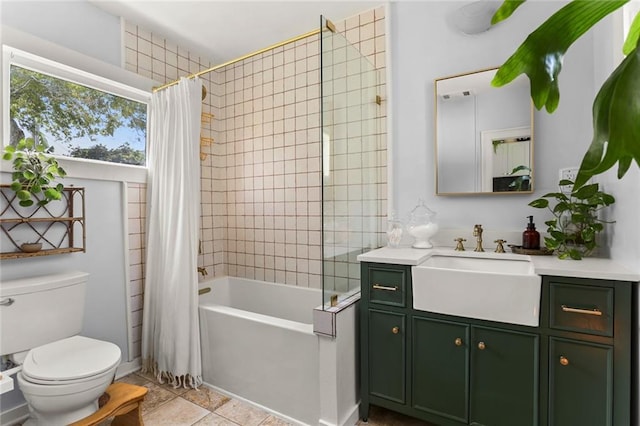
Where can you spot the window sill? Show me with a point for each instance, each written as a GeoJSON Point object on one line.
{"type": "Point", "coordinates": [97, 170]}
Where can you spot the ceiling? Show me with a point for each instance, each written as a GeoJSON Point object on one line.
{"type": "Point", "coordinates": [226, 29]}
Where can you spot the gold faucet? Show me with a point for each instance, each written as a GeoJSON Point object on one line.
{"type": "Point", "coordinates": [500, 247]}
{"type": "Point", "coordinates": [202, 271]}
{"type": "Point", "coordinates": [459, 246]}
{"type": "Point", "coordinates": [477, 232]}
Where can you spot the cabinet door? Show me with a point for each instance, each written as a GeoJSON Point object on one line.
{"type": "Point", "coordinates": [504, 378]}
{"type": "Point", "coordinates": [580, 383]}
{"type": "Point", "coordinates": [440, 367]}
{"type": "Point", "coordinates": [387, 350]}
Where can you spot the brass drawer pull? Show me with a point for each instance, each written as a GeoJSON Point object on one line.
{"type": "Point", "coordinates": [594, 311]}
{"type": "Point", "coordinates": [395, 330]}
{"type": "Point", "coordinates": [564, 361]}
{"type": "Point", "coordinates": [384, 287]}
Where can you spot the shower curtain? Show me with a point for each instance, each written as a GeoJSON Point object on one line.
{"type": "Point", "coordinates": [170, 328]}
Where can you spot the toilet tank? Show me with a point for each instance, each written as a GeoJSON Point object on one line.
{"type": "Point", "coordinates": [39, 310]}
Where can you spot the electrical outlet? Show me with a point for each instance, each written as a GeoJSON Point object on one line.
{"type": "Point", "coordinates": [569, 173]}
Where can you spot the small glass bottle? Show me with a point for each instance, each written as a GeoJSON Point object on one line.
{"type": "Point", "coordinates": [395, 229]}
{"type": "Point", "coordinates": [531, 237]}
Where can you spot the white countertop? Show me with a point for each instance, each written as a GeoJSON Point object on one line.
{"type": "Point", "coordinates": [590, 267]}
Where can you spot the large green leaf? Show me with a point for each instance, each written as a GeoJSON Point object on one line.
{"type": "Point", "coordinates": [540, 55]}
{"type": "Point", "coordinates": [505, 10]}
{"type": "Point", "coordinates": [632, 38]}
{"type": "Point", "coordinates": [616, 122]}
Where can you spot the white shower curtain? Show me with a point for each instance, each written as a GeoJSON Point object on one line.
{"type": "Point", "coordinates": [170, 327]}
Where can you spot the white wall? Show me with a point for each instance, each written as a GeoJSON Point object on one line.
{"type": "Point", "coordinates": [425, 47]}
{"type": "Point", "coordinates": [77, 25]}
{"type": "Point", "coordinates": [624, 235]}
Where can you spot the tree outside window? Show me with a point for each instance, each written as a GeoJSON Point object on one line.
{"type": "Point", "coordinates": [76, 121]}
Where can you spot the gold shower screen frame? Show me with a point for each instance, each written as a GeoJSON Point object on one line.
{"type": "Point", "coordinates": [329, 27]}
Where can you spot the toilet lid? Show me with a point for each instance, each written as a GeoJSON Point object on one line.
{"type": "Point", "coordinates": [70, 359]}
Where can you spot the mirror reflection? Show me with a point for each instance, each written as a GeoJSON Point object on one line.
{"type": "Point", "coordinates": [484, 138]}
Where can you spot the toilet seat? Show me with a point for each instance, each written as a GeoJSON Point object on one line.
{"type": "Point", "coordinates": [72, 360]}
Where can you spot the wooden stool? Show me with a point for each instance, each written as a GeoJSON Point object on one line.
{"type": "Point", "coordinates": [124, 403]}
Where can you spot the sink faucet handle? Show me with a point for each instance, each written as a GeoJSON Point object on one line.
{"type": "Point", "coordinates": [477, 232]}
{"type": "Point", "coordinates": [459, 246]}
{"type": "Point", "coordinates": [500, 247]}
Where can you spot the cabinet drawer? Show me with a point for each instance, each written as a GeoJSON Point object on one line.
{"type": "Point", "coordinates": [387, 286]}
{"type": "Point", "coordinates": [581, 308]}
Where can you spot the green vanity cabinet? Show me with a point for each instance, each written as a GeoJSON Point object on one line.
{"type": "Point", "coordinates": [384, 331]}
{"type": "Point", "coordinates": [580, 385]}
{"type": "Point", "coordinates": [463, 372]}
{"type": "Point", "coordinates": [574, 369]}
{"type": "Point", "coordinates": [504, 377]}
{"type": "Point", "coordinates": [441, 367]}
{"type": "Point", "coordinates": [588, 324]}
{"type": "Point", "coordinates": [387, 355]}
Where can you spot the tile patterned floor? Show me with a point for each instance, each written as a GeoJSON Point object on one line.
{"type": "Point", "coordinates": [165, 405]}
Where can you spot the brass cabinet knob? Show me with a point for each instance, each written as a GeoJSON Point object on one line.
{"type": "Point", "coordinates": [481, 346]}
{"type": "Point", "coordinates": [458, 341]}
{"type": "Point", "coordinates": [564, 361]}
{"type": "Point", "coordinates": [395, 330]}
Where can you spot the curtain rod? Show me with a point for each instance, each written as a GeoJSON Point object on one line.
{"type": "Point", "coordinates": [242, 58]}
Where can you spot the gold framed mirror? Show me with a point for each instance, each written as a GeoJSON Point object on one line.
{"type": "Point", "coordinates": [483, 135]}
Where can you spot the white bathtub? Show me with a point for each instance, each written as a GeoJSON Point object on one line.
{"type": "Point", "coordinates": [258, 344]}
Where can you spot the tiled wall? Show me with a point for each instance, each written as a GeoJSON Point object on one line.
{"type": "Point", "coordinates": [354, 176]}
{"type": "Point", "coordinates": [272, 125]}
{"type": "Point", "coordinates": [274, 185]}
{"type": "Point", "coordinates": [136, 196]}
{"type": "Point", "coordinates": [261, 179]}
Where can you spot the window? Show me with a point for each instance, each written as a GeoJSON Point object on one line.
{"type": "Point", "coordinates": [76, 114]}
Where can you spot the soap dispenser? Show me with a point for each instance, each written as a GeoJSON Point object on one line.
{"type": "Point", "coordinates": [531, 237]}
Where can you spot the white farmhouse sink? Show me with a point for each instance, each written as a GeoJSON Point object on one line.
{"type": "Point", "coordinates": [487, 286]}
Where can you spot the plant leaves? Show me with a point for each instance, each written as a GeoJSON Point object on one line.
{"type": "Point", "coordinates": [540, 203]}
{"type": "Point", "coordinates": [585, 192]}
{"type": "Point", "coordinates": [23, 195]}
{"type": "Point", "coordinates": [52, 193]}
{"type": "Point", "coordinates": [616, 123]}
{"type": "Point", "coordinates": [608, 199]}
{"type": "Point", "coordinates": [575, 254]}
{"type": "Point", "coordinates": [632, 38]}
{"type": "Point", "coordinates": [506, 10]}
{"type": "Point", "coordinates": [540, 55]}
{"type": "Point", "coordinates": [551, 243]}
{"type": "Point", "coordinates": [561, 207]}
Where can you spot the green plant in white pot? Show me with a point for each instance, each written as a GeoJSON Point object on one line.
{"type": "Point", "coordinates": [574, 231]}
{"type": "Point", "coordinates": [34, 173]}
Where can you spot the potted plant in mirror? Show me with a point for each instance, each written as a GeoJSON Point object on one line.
{"type": "Point", "coordinates": [34, 173]}
{"type": "Point", "coordinates": [573, 233]}
{"type": "Point", "coordinates": [521, 182]}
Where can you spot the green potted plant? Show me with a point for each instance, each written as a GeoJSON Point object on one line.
{"type": "Point", "coordinates": [573, 233]}
{"type": "Point", "coordinates": [34, 173]}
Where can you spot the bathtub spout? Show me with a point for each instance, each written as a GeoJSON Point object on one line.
{"type": "Point", "coordinates": [202, 271]}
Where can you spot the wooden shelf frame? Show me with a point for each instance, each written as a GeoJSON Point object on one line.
{"type": "Point", "coordinates": [38, 221]}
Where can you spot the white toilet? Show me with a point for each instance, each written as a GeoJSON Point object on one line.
{"type": "Point", "coordinates": [63, 374]}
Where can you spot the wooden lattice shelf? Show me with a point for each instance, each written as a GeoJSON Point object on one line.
{"type": "Point", "coordinates": [58, 225]}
